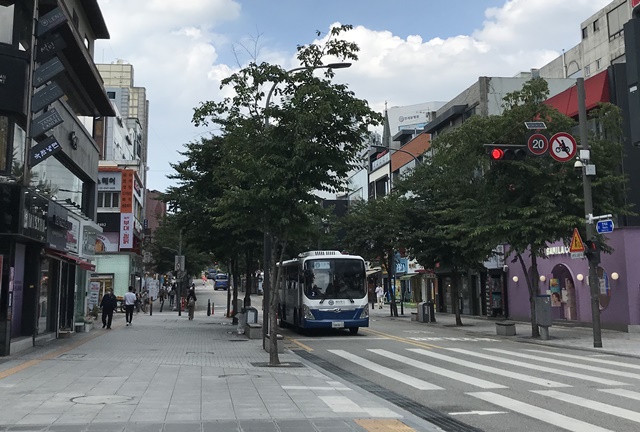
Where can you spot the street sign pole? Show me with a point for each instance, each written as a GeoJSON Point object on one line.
{"type": "Point", "coordinates": [588, 210]}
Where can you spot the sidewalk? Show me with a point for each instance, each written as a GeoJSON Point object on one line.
{"type": "Point", "coordinates": [166, 373]}
{"type": "Point", "coordinates": [561, 335]}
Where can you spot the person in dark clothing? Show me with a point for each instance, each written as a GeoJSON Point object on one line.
{"type": "Point", "coordinates": [108, 304]}
{"type": "Point", "coordinates": [191, 301]}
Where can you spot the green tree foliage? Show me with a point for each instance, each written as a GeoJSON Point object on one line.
{"type": "Point", "coordinates": [374, 230]}
{"type": "Point", "coordinates": [271, 159]}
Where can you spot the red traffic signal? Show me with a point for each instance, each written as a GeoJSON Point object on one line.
{"type": "Point", "coordinates": [506, 152]}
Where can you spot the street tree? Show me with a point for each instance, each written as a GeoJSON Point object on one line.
{"type": "Point", "coordinates": [374, 230]}
{"type": "Point", "coordinates": [277, 156]}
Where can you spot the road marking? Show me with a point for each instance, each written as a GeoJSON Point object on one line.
{"type": "Point", "coordinates": [623, 392]}
{"type": "Point", "coordinates": [300, 344]}
{"type": "Point", "coordinates": [537, 413]}
{"type": "Point", "coordinates": [566, 363]}
{"type": "Point", "coordinates": [315, 388]}
{"type": "Point", "coordinates": [485, 368]}
{"type": "Point", "coordinates": [401, 339]}
{"type": "Point", "coordinates": [343, 339]}
{"type": "Point", "coordinates": [593, 405]}
{"type": "Point", "coordinates": [385, 371]}
{"type": "Point", "coordinates": [468, 379]}
{"type": "Point", "coordinates": [480, 413]}
{"type": "Point", "coordinates": [556, 371]}
{"type": "Point", "coordinates": [588, 358]}
{"type": "Point", "coordinates": [454, 339]}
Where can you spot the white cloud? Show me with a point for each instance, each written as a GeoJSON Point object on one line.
{"type": "Point", "coordinates": [174, 49]}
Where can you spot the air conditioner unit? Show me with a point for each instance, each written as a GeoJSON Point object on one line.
{"type": "Point", "coordinates": [505, 268]}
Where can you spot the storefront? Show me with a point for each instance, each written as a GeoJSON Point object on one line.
{"type": "Point", "coordinates": [566, 280]}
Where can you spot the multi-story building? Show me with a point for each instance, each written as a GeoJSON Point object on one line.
{"type": "Point", "coordinates": [122, 141]}
{"type": "Point", "coordinates": [50, 94]}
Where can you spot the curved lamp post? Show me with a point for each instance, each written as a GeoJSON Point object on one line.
{"type": "Point", "coordinates": [393, 270]}
{"type": "Point", "coordinates": [266, 281]}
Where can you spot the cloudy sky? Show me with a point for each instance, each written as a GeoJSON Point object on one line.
{"type": "Point", "coordinates": [412, 51]}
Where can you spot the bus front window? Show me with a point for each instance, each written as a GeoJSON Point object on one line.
{"type": "Point", "coordinates": [335, 279]}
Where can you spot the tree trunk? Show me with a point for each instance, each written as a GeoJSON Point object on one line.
{"type": "Point", "coordinates": [391, 273]}
{"type": "Point", "coordinates": [249, 278]}
{"type": "Point", "coordinates": [236, 282]}
{"type": "Point", "coordinates": [274, 299]}
{"type": "Point", "coordinates": [455, 297]}
{"type": "Point", "coordinates": [532, 285]}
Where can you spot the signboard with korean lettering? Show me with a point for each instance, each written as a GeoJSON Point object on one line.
{"type": "Point", "coordinates": [109, 181]}
{"type": "Point", "coordinates": [50, 21]}
{"type": "Point", "coordinates": [126, 195]}
{"type": "Point", "coordinates": [48, 147]}
{"type": "Point", "coordinates": [126, 231]}
{"type": "Point", "coordinates": [73, 235]}
{"type": "Point", "coordinates": [137, 190]}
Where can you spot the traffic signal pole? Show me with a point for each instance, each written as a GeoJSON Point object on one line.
{"type": "Point", "coordinates": [588, 210]}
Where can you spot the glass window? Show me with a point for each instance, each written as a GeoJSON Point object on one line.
{"type": "Point", "coordinates": [107, 199]}
{"type": "Point", "coordinates": [115, 199]}
{"type": "Point", "coordinates": [6, 24]}
{"type": "Point", "coordinates": [53, 178]}
{"type": "Point", "coordinates": [100, 202]}
{"type": "Point", "coordinates": [596, 25]}
{"type": "Point", "coordinates": [584, 33]}
{"type": "Point", "coordinates": [19, 138]}
{"type": "Point", "coordinates": [4, 142]}
{"type": "Point", "coordinates": [335, 279]}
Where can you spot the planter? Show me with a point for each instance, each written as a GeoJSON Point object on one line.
{"type": "Point", "coordinates": [88, 327]}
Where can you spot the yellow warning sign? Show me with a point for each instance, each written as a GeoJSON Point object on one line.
{"type": "Point", "coordinates": [576, 242]}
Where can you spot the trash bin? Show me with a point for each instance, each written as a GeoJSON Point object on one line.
{"type": "Point", "coordinates": [251, 314]}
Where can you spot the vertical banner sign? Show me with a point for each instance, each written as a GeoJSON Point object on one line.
{"type": "Point", "coordinates": [126, 230]}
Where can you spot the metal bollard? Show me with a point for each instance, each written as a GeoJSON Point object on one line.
{"type": "Point", "coordinates": [150, 306]}
{"type": "Point", "coordinates": [209, 307]}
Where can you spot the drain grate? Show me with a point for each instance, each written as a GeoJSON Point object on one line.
{"type": "Point", "coordinates": [199, 352]}
{"type": "Point", "coordinates": [282, 365]}
{"type": "Point", "coordinates": [238, 340]}
{"type": "Point", "coordinates": [445, 422]}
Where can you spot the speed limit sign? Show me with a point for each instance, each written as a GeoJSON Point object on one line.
{"type": "Point", "coordinates": [538, 144]}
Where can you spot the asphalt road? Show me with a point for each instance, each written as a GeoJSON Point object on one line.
{"type": "Point", "coordinates": [492, 384]}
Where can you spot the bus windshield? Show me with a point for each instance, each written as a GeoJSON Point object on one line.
{"type": "Point", "coordinates": [334, 279]}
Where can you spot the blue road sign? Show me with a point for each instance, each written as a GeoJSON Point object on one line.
{"type": "Point", "coordinates": [604, 226]}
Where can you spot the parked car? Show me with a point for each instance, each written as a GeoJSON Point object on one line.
{"type": "Point", "coordinates": [221, 281]}
{"type": "Point", "coordinates": [211, 273]}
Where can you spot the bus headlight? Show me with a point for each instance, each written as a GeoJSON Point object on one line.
{"type": "Point", "coordinates": [307, 313]}
{"type": "Point", "coordinates": [365, 312]}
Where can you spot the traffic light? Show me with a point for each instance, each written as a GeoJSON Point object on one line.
{"type": "Point", "coordinates": [592, 251]}
{"type": "Point", "coordinates": [506, 152]}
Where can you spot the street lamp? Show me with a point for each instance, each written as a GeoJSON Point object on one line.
{"type": "Point", "coordinates": [266, 281]}
{"type": "Point", "coordinates": [392, 275]}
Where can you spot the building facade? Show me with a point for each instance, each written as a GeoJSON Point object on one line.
{"type": "Point", "coordinates": [50, 94]}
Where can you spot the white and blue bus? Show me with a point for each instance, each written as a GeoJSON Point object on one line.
{"type": "Point", "coordinates": [324, 289]}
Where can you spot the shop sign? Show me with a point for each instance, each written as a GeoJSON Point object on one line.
{"type": "Point", "coordinates": [44, 149]}
{"type": "Point", "coordinates": [109, 181]}
{"type": "Point", "coordinates": [137, 189]}
{"type": "Point", "coordinates": [106, 242]}
{"type": "Point", "coordinates": [88, 241]}
{"type": "Point", "coordinates": [94, 294]}
{"type": "Point", "coordinates": [402, 266]}
{"type": "Point", "coordinates": [73, 235]}
{"type": "Point", "coordinates": [126, 230]}
{"type": "Point", "coordinates": [57, 226]}
{"type": "Point", "coordinates": [557, 250]}
{"type": "Point", "coordinates": [34, 224]}
{"type": "Point", "coordinates": [109, 222]}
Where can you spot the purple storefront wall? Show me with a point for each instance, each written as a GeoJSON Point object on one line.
{"type": "Point", "coordinates": [623, 311]}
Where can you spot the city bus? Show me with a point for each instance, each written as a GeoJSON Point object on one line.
{"type": "Point", "coordinates": [324, 289]}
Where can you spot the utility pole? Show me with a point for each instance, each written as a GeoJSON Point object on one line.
{"type": "Point", "coordinates": [180, 275]}
{"type": "Point", "coordinates": [588, 210]}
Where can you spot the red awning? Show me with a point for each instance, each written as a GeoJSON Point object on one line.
{"type": "Point", "coordinates": [596, 90]}
{"type": "Point", "coordinates": [86, 265]}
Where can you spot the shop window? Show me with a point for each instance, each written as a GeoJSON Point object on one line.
{"type": "Point", "coordinates": [109, 200]}
{"type": "Point", "coordinates": [6, 24]}
{"type": "Point", "coordinates": [4, 143]}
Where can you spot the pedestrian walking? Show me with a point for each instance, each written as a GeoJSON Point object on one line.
{"type": "Point", "coordinates": [161, 296]}
{"type": "Point", "coordinates": [380, 295]}
{"type": "Point", "coordinates": [191, 300]}
{"type": "Point", "coordinates": [172, 295]}
{"type": "Point", "coordinates": [129, 304]}
{"type": "Point", "coordinates": [108, 304]}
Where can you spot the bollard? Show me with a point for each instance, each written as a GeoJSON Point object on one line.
{"type": "Point", "coordinates": [150, 306]}
{"type": "Point", "coordinates": [213, 308]}
{"type": "Point", "coordinates": [209, 307]}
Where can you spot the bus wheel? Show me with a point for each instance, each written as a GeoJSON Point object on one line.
{"type": "Point", "coordinates": [354, 330]}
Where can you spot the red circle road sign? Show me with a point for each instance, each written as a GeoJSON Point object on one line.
{"type": "Point", "coordinates": [563, 147]}
{"type": "Point", "coordinates": [538, 144]}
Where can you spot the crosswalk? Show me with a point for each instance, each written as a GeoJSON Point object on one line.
{"type": "Point", "coordinates": [571, 392]}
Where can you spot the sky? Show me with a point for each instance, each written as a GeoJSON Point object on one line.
{"type": "Point", "coordinates": [411, 51]}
